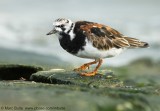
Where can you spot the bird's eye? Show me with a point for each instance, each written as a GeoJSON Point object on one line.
{"type": "Point", "coordinates": [60, 26]}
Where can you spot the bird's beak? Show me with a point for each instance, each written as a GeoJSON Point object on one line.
{"type": "Point", "coordinates": [51, 32]}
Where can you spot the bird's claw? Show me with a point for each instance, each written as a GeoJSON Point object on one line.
{"type": "Point", "coordinates": [83, 67]}
{"type": "Point", "coordinates": [89, 73]}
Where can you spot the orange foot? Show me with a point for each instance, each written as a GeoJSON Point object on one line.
{"type": "Point", "coordinates": [89, 73]}
{"type": "Point", "coordinates": [85, 66]}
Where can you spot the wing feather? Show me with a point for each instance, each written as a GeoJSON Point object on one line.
{"type": "Point", "coordinates": [104, 37]}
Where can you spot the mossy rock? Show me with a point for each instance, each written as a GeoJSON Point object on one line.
{"type": "Point", "coordinates": [73, 78]}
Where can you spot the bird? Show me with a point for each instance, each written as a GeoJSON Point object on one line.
{"type": "Point", "coordinates": [92, 40]}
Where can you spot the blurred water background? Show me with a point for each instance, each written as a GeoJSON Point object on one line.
{"type": "Point", "coordinates": [24, 24]}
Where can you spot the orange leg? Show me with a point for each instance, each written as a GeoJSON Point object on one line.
{"type": "Point", "coordinates": [85, 66]}
{"type": "Point", "coordinates": [94, 71]}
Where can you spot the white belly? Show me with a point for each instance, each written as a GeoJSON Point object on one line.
{"type": "Point", "coordinates": [93, 53]}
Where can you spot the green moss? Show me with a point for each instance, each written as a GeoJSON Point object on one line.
{"type": "Point", "coordinates": [134, 87]}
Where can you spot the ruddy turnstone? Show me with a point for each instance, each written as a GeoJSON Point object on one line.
{"type": "Point", "coordinates": [92, 40]}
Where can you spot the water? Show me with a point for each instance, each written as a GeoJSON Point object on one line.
{"type": "Point", "coordinates": [24, 24]}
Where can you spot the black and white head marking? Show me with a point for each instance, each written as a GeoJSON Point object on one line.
{"type": "Point", "coordinates": [63, 25]}
{"type": "Point", "coordinates": [71, 28]}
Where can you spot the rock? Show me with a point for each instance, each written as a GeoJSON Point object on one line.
{"type": "Point", "coordinates": [69, 91]}
{"type": "Point", "coordinates": [74, 98]}
{"type": "Point", "coordinates": [40, 95]}
{"type": "Point", "coordinates": [73, 78]}
{"type": "Point", "coordinates": [16, 72]}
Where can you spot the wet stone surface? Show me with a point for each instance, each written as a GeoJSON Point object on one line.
{"type": "Point", "coordinates": [73, 78]}
{"type": "Point", "coordinates": [125, 89]}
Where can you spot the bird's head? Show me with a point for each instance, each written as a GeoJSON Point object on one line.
{"type": "Point", "coordinates": [61, 25]}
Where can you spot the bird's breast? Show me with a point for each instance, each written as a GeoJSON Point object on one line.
{"type": "Point", "coordinates": [70, 44]}
{"type": "Point", "coordinates": [94, 53]}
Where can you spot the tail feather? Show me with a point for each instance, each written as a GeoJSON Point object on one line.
{"type": "Point", "coordinates": [136, 43]}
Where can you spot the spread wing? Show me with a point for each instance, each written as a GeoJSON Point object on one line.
{"type": "Point", "coordinates": [102, 37]}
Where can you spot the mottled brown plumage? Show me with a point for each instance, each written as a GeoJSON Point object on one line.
{"type": "Point", "coordinates": [104, 37]}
